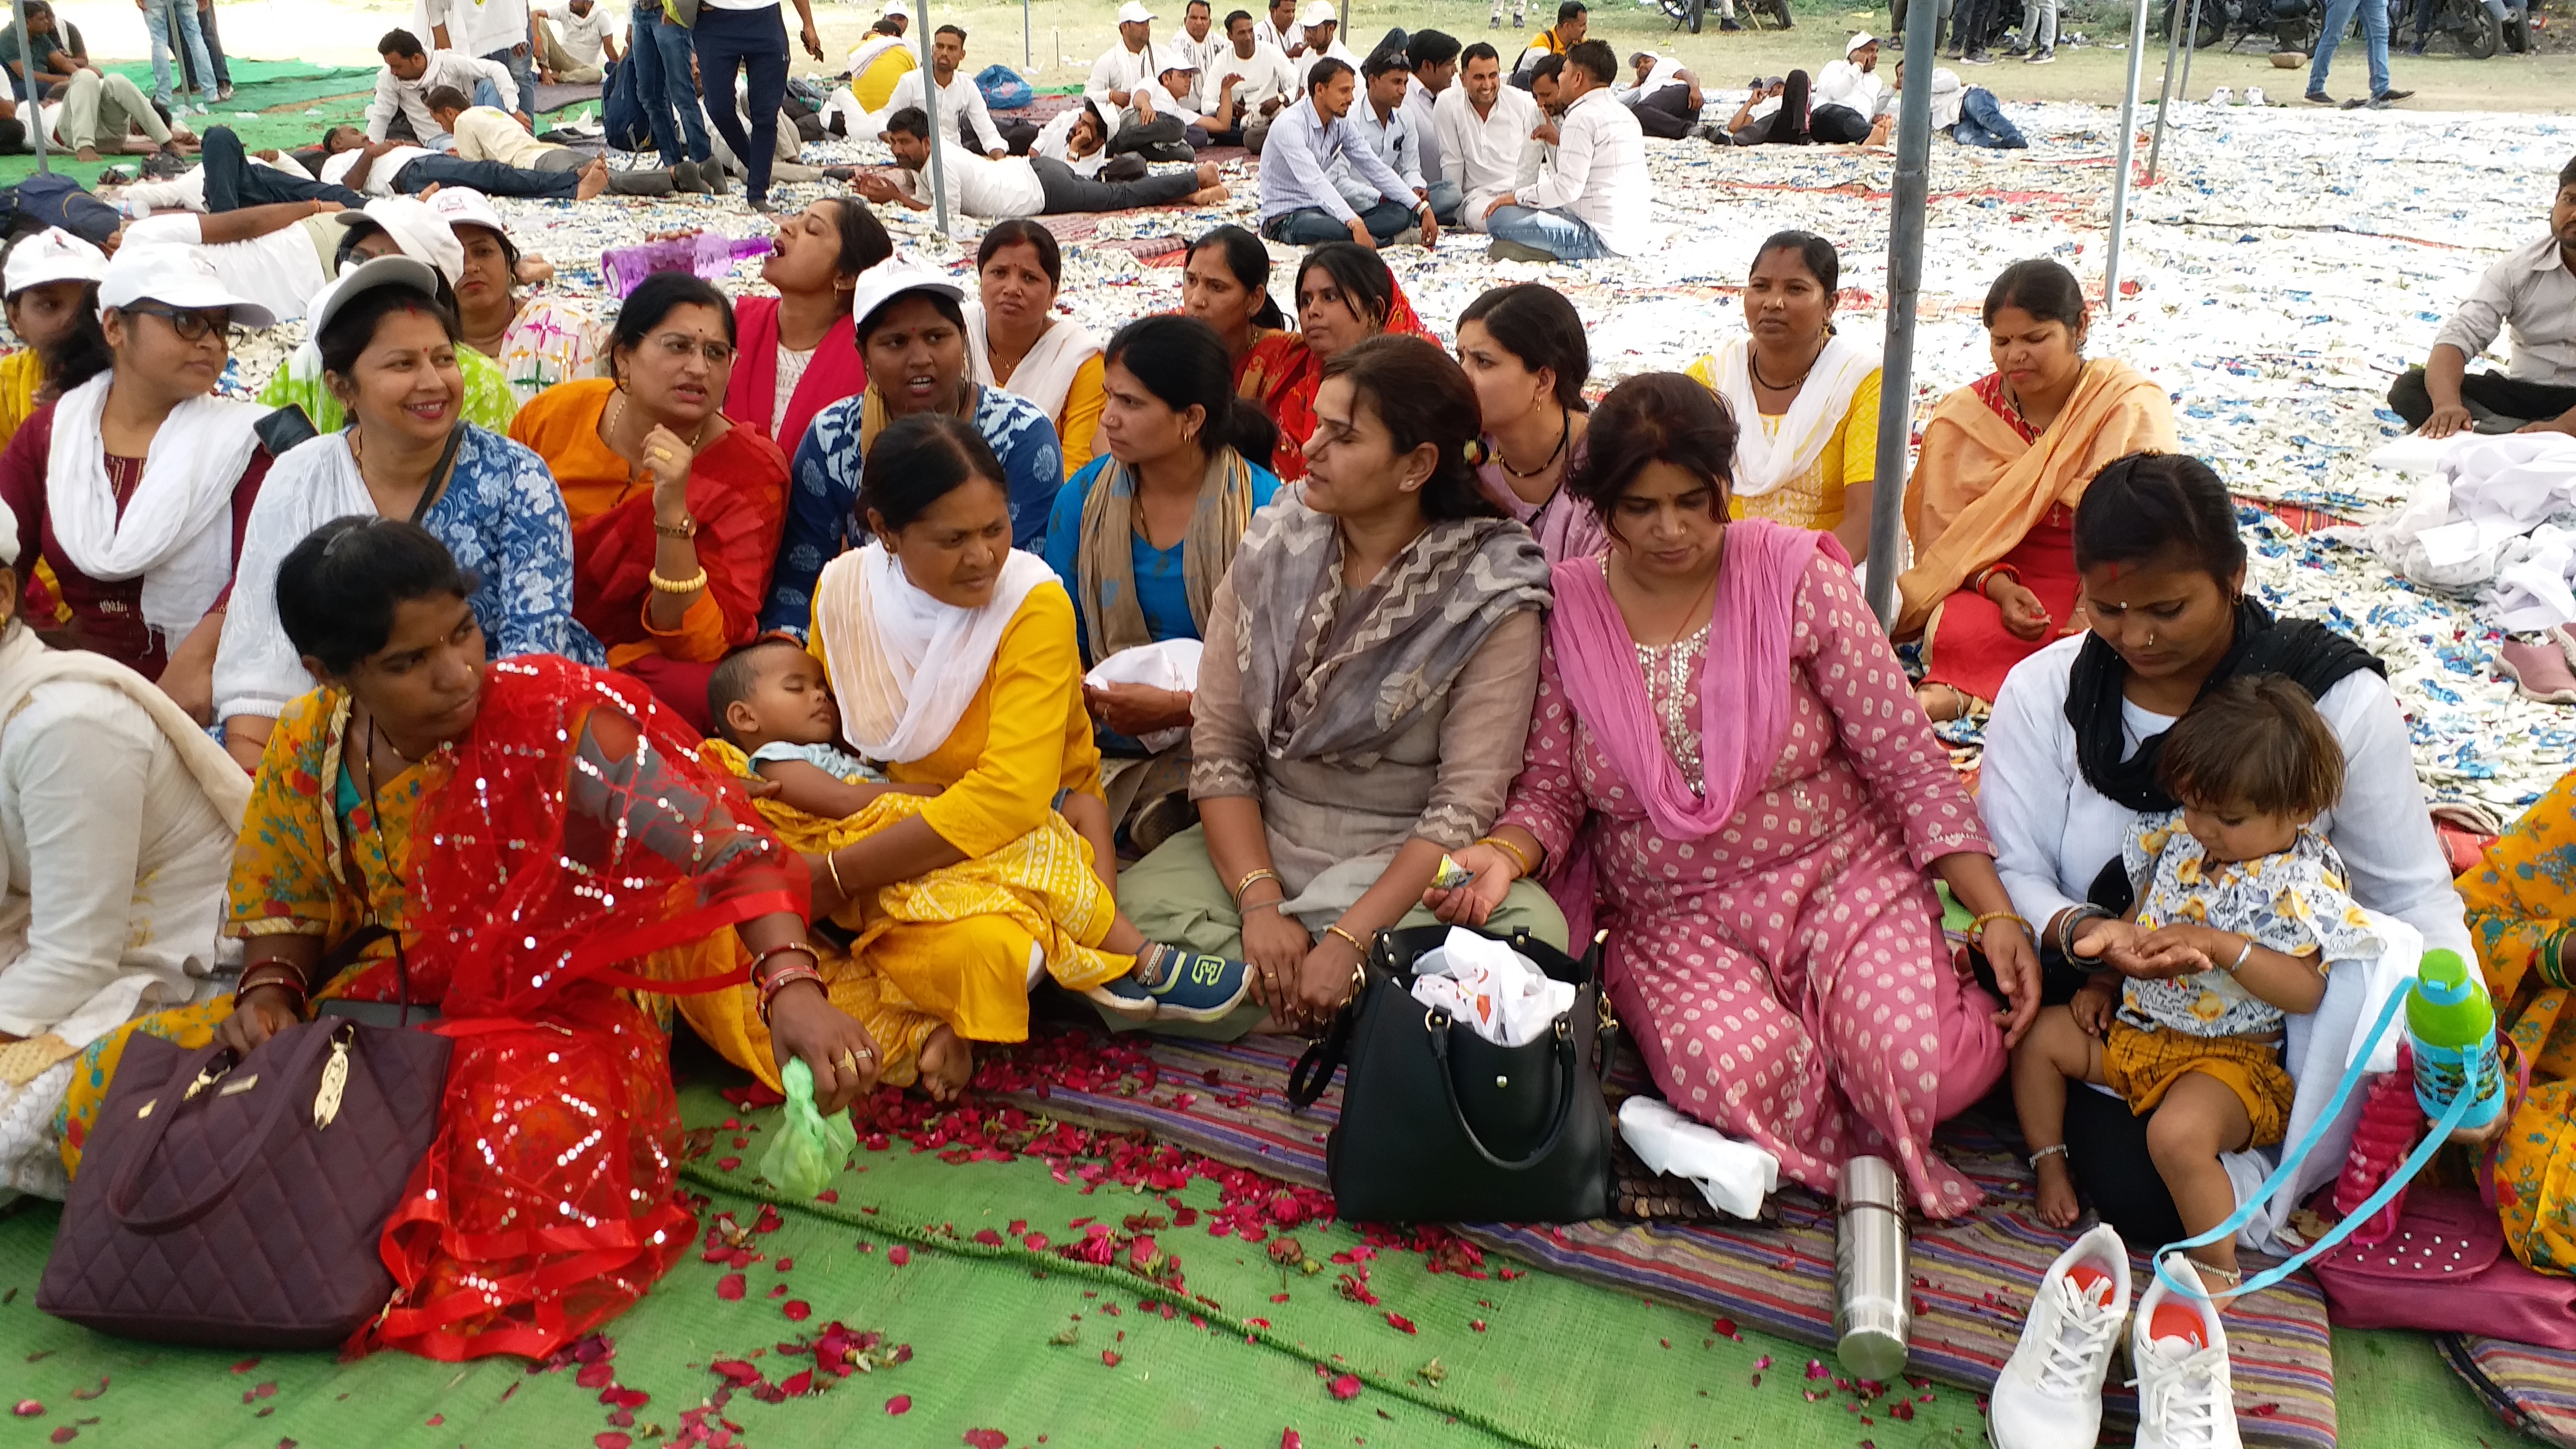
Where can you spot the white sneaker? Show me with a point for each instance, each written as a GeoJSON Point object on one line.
{"type": "Point", "coordinates": [2186, 1396]}
{"type": "Point", "coordinates": [2223, 96]}
{"type": "Point", "coordinates": [2050, 1394]}
{"type": "Point", "coordinates": [2254, 96]}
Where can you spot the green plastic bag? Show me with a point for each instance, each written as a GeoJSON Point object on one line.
{"type": "Point", "coordinates": [808, 1149]}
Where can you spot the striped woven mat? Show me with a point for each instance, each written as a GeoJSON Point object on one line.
{"type": "Point", "coordinates": [2531, 1388]}
{"type": "Point", "coordinates": [1973, 1280]}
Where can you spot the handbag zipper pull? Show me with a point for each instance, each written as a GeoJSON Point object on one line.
{"type": "Point", "coordinates": [335, 1080]}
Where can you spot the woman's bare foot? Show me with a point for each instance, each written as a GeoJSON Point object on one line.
{"type": "Point", "coordinates": [594, 181]}
{"type": "Point", "coordinates": [2058, 1205]}
{"type": "Point", "coordinates": [947, 1064]}
{"type": "Point", "coordinates": [1943, 702]}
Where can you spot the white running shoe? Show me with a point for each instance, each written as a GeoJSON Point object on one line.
{"type": "Point", "coordinates": [2223, 96]}
{"type": "Point", "coordinates": [2254, 96]}
{"type": "Point", "coordinates": [2050, 1394]}
{"type": "Point", "coordinates": [2186, 1396]}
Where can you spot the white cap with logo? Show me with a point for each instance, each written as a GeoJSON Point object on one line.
{"type": "Point", "coordinates": [180, 277]}
{"type": "Point", "coordinates": [52, 255]}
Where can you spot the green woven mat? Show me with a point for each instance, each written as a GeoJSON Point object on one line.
{"type": "Point", "coordinates": [1556, 1362]}
{"type": "Point", "coordinates": [268, 110]}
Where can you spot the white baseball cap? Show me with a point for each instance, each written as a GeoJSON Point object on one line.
{"type": "Point", "coordinates": [890, 279]}
{"type": "Point", "coordinates": [175, 276]}
{"type": "Point", "coordinates": [1321, 12]}
{"type": "Point", "coordinates": [465, 206]}
{"type": "Point", "coordinates": [1133, 13]}
{"type": "Point", "coordinates": [897, 10]}
{"type": "Point", "coordinates": [1857, 41]}
{"type": "Point", "coordinates": [366, 277]}
{"type": "Point", "coordinates": [52, 255]}
{"type": "Point", "coordinates": [418, 232]}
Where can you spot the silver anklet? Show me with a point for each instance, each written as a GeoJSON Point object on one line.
{"type": "Point", "coordinates": [2058, 1151]}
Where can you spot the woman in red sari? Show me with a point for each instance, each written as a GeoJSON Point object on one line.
{"type": "Point", "coordinates": [676, 510]}
{"type": "Point", "coordinates": [798, 356]}
{"type": "Point", "coordinates": [1345, 296]}
{"type": "Point", "coordinates": [576, 777]}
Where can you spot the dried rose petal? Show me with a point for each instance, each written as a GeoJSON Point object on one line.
{"type": "Point", "coordinates": [595, 1375]}
{"type": "Point", "coordinates": [797, 1310]}
{"type": "Point", "coordinates": [434, 1420]}
{"type": "Point", "coordinates": [1402, 1324]}
{"type": "Point", "coordinates": [730, 1287]}
{"type": "Point", "coordinates": [727, 1164]}
{"type": "Point", "coordinates": [1288, 1439]}
{"type": "Point", "coordinates": [611, 1439]}
{"type": "Point", "coordinates": [65, 1434]}
{"type": "Point", "coordinates": [1816, 1369]}
{"type": "Point", "coordinates": [900, 1255]}
{"type": "Point", "coordinates": [987, 1439]}
{"type": "Point", "coordinates": [899, 1404]}
{"type": "Point", "coordinates": [29, 1409]}
{"type": "Point", "coordinates": [1477, 1324]}
{"type": "Point", "coordinates": [1110, 1356]}
{"type": "Point", "coordinates": [1345, 1388]}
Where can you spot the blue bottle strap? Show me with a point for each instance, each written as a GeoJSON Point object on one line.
{"type": "Point", "coordinates": [2290, 1163]}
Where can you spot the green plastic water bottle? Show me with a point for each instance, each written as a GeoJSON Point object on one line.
{"type": "Point", "coordinates": [2452, 1022]}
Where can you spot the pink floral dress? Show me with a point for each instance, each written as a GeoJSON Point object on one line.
{"type": "Point", "coordinates": [1785, 979]}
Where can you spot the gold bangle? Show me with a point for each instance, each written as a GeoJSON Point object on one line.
{"type": "Point", "coordinates": [676, 586]}
{"type": "Point", "coordinates": [1356, 943]}
{"type": "Point", "coordinates": [1245, 884]}
{"type": "Point", "coordinates": [1507, 848]}
{"type": "Point", "coordinates": [686, 528]}
{"type": "Point", "coordinates": [832, 867]}
{"type": "Point", "coordinates": [1977, 928]}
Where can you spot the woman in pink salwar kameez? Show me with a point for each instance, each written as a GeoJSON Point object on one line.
{"type": "Point", "coordinates": [1727, 770]}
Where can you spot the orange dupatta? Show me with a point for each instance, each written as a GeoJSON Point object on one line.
{"type": "Point", "coordinates": [1977, 487]}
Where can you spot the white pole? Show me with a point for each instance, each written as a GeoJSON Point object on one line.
{"type": "Point", "coordinates": [930, 111]}
{"type": "Point", "coordinates": [2128, 153]}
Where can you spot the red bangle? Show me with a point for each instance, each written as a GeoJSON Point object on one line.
{"type": "Point", "coordinates": [1987, 574]}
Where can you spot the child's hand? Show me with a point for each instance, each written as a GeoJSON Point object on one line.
{"type": "Point", "coordinates": [2172, 951]}
{"type": "Point", "coordinates": [2092, 1007]}
{"type": "Point", "coordinates": [2096, 940]}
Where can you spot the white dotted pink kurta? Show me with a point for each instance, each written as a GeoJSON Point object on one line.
{"type": "Point", "coordinates": [1785, 978]}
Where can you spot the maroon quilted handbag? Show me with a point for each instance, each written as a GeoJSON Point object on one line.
{"type": "Point", "coordinates": [238, 1203]}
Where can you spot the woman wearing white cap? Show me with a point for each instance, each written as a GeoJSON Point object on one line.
{"type": "Point", "coordinates": [51, 279]}
{"type": "Point", "coordinates": [134, 484]}
{"type": "Point", "coordinates": [389, 350]}
{"type": "Point", "coordinates": [538, 341]}
{"type": "Point", "coordinates": [117, 818]}
{"type": "Point", "coordinates": [912, 335]}
{"type": "Point", "coordinates": [394, 226]}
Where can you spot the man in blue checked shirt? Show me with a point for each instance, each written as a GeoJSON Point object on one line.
{"type": "Point", "coordinates": [1300, 204]}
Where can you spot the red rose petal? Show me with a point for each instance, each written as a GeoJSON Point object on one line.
{"type": "Point", "coordinates": [900, 1255]}
{"type": "Point", "coordinates": [1288, 1439]}
{"type": "Point", "coordinates": [797, 1310]}
{"type": "Point", "coordinates": [989, 1238]}
{"type": "Point", "coordinates": [831, 1195]}
{"type": "Point", "coordinates": [29, 1409]}
{"type": "Point", "coordinates": [611, 1439]}
{"type": "Point", "coordinates": [727, 1164]}
{"type": "Point", "coordinates": [245, 1366]}
{"type": "Point", "coordinates": [785, 1264]}
{"type": "Point", "coordinates": [434, 1420]}
{"type": "Point", "coordinates": [595, 1375]}
{"type": "Point", "coordinates": [1477, 1324]}
{"type": "Point", "coordinates": [65, 1434]}
{"type": "Point", "coordinates": [899, 1404]}
{"type": "Point", "coordinates": [987, 1439]}
{"type": "Point", "coordinates": [730, 1287]}
{"type": "Point", "coordinates": [1345, 1388]}
{"type": "Point", "coordinates": [1399, 1322]}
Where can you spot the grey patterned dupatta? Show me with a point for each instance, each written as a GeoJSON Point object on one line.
{"type": "Point", "coordinates": [1337, 676]}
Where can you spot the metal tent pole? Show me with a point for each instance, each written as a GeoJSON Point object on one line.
{"type": "Point", "coordinates": [930, 111]}
{"type": "Point", "coordinates": [35, 96]}
{"type": "Point", "coordinates": [1904, 286]}
{"type": "Point", "coordinates": [2165, 101]}
{"type": "Point", "coordinates": [2128, 154]}
{"type": "Point", "coordinates": [1025, 60]}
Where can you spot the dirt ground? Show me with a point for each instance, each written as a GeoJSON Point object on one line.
{"type": "Point", "coordinates": [1064, 35]}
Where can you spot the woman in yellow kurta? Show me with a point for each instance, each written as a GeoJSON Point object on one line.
{"type": "Point", "coordinates": [954, 660]}
{"type": "Point", "coordinates": [2521, 901]}
{"type": "Point", "coordinates": [1805, 398]}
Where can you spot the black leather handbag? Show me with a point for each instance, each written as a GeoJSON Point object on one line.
{"type": "Point", "coordinates": [1440, 1125]}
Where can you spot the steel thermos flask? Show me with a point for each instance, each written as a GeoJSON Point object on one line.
{"type": "Point", "coordinates": [1871, 1320]}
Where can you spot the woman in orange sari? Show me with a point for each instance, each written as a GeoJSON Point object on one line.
{"type": "Point", "coordinates": [1991, 505]}
{"type": "Point", "coordinates": [1345, 296]}
{"type": "Point", "coordinates": [676, 511]}
{"type": "Point", "coordinates": [538, 778]}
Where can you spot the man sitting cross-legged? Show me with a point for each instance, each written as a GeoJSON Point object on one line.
{"type": "Point", "coordinates": [2532, 294]}
{"type": "Point", "coordinates": [1016, 185]}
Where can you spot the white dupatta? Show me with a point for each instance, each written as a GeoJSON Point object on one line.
{"type": "Point", "coordinates": [176, 532]}
{"type": "Point", "coordinates": [1764, 462]}
{"type": "Point", "coordinates": [904, 665]}
{"type": "Point", "coordinates": [1046, 375]}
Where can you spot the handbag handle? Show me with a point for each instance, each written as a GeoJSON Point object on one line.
{"type": "Point", "coordinates": [121, 1193]}
{"type": "Point", "coordinates": [1439, 1034]}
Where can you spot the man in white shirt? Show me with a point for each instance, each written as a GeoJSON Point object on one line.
{"type": "Point", "coordinates": [496, 30]}
{"type": "Point", "coordinates": [1127, 67]}
{"type": "Point", "coordinates": [1969, 114]}
{"type": "Point", "coordinates": [398, 168]}
{"type": "Point", "coordinates": [1597, 201]}
{"type": "Point", "coordinates": [1016, 185]}
{"type": "Point", "coordinates": [1484, 128]}
{"type": "Point", "coordinates": [1279, 30]}
{"type": "Point", "coordinates": [1201, 44]}
{"type": "Point", "coordinates": [276, 255]}
{"type": "Point", "coordinates": [578, 44]}
{"type": "Point", "coordinates": [1159, 123]}
{"type": "Point", "coordinates": [961, 101]}
{"type": "Point", "coordinates": [1300, 205]}
{"type": "Point", "coordinates": [409, 74]}
{"type": "Point", "coordinates": [1666, 97]}
{"type": "Point", "coordinates": [1432, 57]}
{"type": "Point", "coordinates": [487, 133]}
{"type": "Point", "coordinates": [1846, 94]}
{"type": "Point", "coordinates": [1247, 84]}
{"type": "Point", "coordinates": [1321, 27]}
{"type": "Point", "coordinates": [2531, 293]}
{"type": "Point", "coordinates": [1378, 119]}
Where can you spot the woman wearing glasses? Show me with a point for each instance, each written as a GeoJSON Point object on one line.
{"type": "Point", "coordinates": [134, 485]}
{"type": "Point", "coordinates": [675, 511]}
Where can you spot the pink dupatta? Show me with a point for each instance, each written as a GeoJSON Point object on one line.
{"type": "Point", "coordinates": [1743, 697]}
